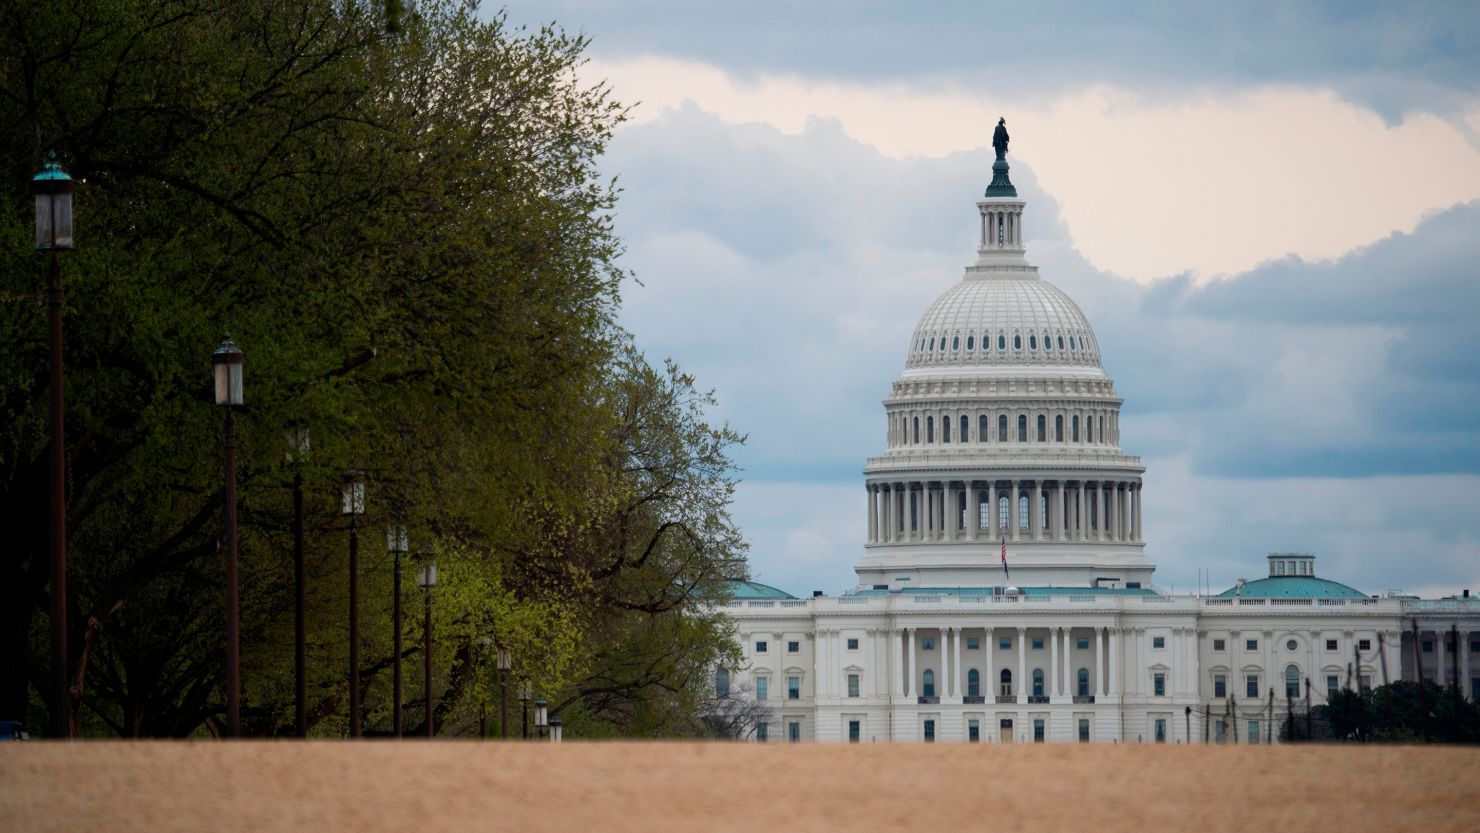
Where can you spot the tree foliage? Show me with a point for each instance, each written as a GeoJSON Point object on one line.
{"type": "Point", "coordinates": [405, 229]}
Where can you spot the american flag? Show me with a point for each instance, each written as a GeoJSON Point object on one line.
{"type": "Point", "coordinates": [1004, 557]}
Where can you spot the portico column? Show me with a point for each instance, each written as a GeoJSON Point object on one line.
{"type": "Point", "coordinates": [1053, 661]}
{"type": "Point", "coordinates": [1036, 511]}
{"type": "Point", "coordinates": [1022, 672]}
{"type": "Point", "coordinates": [1125, 511]}
{"type": "Point", "coordinates": [1112, 635]}
{"type": "Point", "coordinates": [1079, 515]}
{"type": "Point", "coordinates": [991, 669]}
{"type": "Point", "coordinates": [1069, 678]}
{"type": "Point", "coordinates": [1441, 637]}
{"type": "Point", "coordinates": [953, 516]}
{"type": "Point", "coordinates": [993, 522]}
{"type": "Point", "coordinates": [1012, 511]}
{"type": "Point", "coordinates": [913, 669]}
{"type": "Point", "coordinates": [873, 514]}
{"type": "Point", "coordinates": [973, 510]}
{"type": "Point", "coordinates": [956, 689]}
{"type": "Point", "coordinates": [896, 686]}
{"type": "Point", "coordinates": [1099, 687]}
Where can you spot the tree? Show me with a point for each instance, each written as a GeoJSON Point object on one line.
{"type": "Point", "coordinates": [407, 233]}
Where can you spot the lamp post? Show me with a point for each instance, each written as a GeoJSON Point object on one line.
{"type": "Point", "coordinates": [52, 189]}
{"type": "Point", "coordinates": [541, 716]}
{"type": "Point", "coordinates": [504, 662]}
{"type": "Point", "coordinates": [427, 579]}
{"type": "Point", "coordinates": [228, 360]}
{"type": "Point", "coordinates": [397, 542]}
{"type": "Point", "coordinates": [524, 697]}
{"type": "Point", "coordinates": [352, 504]}
{"type": "Point", "coordinates": [298, 442]}
{"type": "Point", "coordinates": [555, 730]}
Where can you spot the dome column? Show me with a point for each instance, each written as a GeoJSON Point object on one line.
{"type": "Point", "coordinates": [973, 510]}
{"type": "Point", "coordinates": [873, 513]}
{"type": "Point", "coordinates": [1035, 512]}
{"type": "Point", "coordinates": [1013, 511]}
{"type": "Point", "coordinates": [1140, 535]}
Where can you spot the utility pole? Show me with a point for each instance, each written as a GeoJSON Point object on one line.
{"type": "Point", "coordinates": [1207, 721]}
{"type": "Point", "coordinates": [1187, 717]}
{"type": "Point", "coordinates": [1269, 730]}
{"type": "Point", "coordinates": [1233, 714]}
{"type": "Point", "coordinates": [1454, 657]}
{"type": "Point", "coordinates": [1423, 709]}
{"type": "Point", "coordinates": [1309, 735]}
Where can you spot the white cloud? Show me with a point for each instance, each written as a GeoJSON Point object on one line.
{"type": "Point", "coordinates": [1213, 182]}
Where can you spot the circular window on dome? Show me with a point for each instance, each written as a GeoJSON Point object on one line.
{"type": "Point", "coordinates": [1001, 342]}
{"type": "Point", "coordinates": [955, 342]}
{"type": "Point", "coordinates": [1291, 645]}
{"type": "Point", "coordinates": [970, 342]}
{"type": "Point", "coordinates": [1061, 342]}
{"type": "Point", "coordinates": [1032, 342]}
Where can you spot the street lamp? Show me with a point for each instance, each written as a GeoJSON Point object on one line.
{"type": "Point", "coordinates": [541, 719]}
{"type": "Point", "coordinates": [426, 578]}
{"type": "Point", "coordinates": [52, 189]}
{"type": "Point", "coordinates": [228, 360]}
{"type": "Point", "coordinates": [555, 730]}
{"type": "Point", "coordinates": [525, 696]}
{"type": "Point", "coordinates": [352, 505]}
{"type": "Point", "coordinates": [298, 445]}
{"type": "Point", "coordinates": [504, 663]}
{"type": "Point", "coordinates": [397, 543]}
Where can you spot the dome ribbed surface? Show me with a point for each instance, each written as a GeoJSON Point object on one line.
{"type": "Point", "coordinates": [1001, 320]}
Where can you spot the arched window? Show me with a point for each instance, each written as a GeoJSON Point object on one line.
{"type": "Point", "coordinates": [945, 429]}
{"type": "Point", "coordinates": [1102, 429]}
{"type": "Point", "coordinates": [942, 344]}
{"type": "Point", "coordinates": [930, 429]}
{"type": "Point", "coordinates": [1071, 343]}
{"type": "Point", "coordinates": [1037, 682]}
{"type": "Point", "coordinates": [1032, 342]}
{"type": "Point", "coordinates": [1076, 428]}
{"type": "Point", "coordinates": [722, 683]}
{"type": "Point", "coordinates": [1002, 507]}
{"type": "Point", "coordinates": [1023, 511]}
{"type": "Point", "coordinates": [970, 343]}
{"type": "Point", "coordinates": [983, 431]}
{"type": "Point", "coordinates": [1058, 428]}
{"type": "Point", "coordinates": [922, 342]}
{"type": "Point", "coordinates": [1001, 342]}
{"type": "Point", "coordinates": [917, 430]}
{"type": "Point", "coordinates": [1022, 428]}
{"type": "Point", "coordinates": [1002, 428]}
{"type": "Point", "coordinates": [973, 683]}
{"type": "Point", "coordinates": [965, 429]}
{"type": "Point", "coordinates": [1042, 428]}
{"type": "Point", "coordinates": [1083, 682]}
{"type": "Point", "coordinates": [928, 688]}
{"type": "Point", "coordinates": [1061, 342]}
{"type": "Point", "coordinates": [1017, 342]}
{"type": "Point", "coordinates": [955, 342]}
{"type": "Point", "coordinates": [1043, 511]}
{"type": "Point", "coordinates": [1292, 682]}
{"type": "Point", "coordinates": [1089, 428]}
{"type": "Point", "coordinates": [1006, 679]}
{"type": "Point", "coordinates": [932, 342]}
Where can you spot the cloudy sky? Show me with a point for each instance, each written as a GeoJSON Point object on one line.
{"type": "Point", "coordinates": [1269, 212]}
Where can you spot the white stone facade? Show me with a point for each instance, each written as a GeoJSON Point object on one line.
{"type": "Point", "coordinates": [1003, 430]}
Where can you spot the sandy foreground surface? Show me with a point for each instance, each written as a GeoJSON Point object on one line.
{"type": "Point", "coordinates": [468, 786]}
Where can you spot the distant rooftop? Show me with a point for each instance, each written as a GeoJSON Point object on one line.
{"type": "Point", "coordinates": [990, 591]}
{"type": "Point", "coordinates": [755, 590]}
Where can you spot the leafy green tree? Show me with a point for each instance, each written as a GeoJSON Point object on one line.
{"type": "Point", "coordinates": [405, 229]}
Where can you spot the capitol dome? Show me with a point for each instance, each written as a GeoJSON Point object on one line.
{"type": "Point", "coordinates": [1003, 318]}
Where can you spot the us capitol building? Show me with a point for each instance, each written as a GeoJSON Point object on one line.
{"type": "Point", "coordinates": [1004, 593]}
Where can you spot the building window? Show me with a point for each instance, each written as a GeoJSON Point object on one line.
{"type": "Point", "coordinates": [1158, 641]}
{"type": "Point", "coordinates": [1428, 646]}
{"type": "Point", "coordinates": [1332, 684]}
{"type": "Point", "coordinates": [1364, 682]}
{"type": "Point", "coordinates": [1017, 342]}
{"type": "Point", "coordinates": [1292, 682]}
{"type": "Point", "coordinates": [973, 643]}
{"type": "Point", "coordinates": [1220, 685]}
{"type": "Point", "coordinates": [930, 731]}
{"type": "Point", "coordinates": [1002, 510]}
{"type": "Point", "coordinates": [1279, 568]}
{"type": "Point", "coordinates": [1364, 644]}
{"type": "Point", "coordinates": [917, 430]}
{"type": "Point", "coordinates": [1001, 342]}
{"type": "Point", "coordinates": [760, 647]}
{"type": "Point", "coordinates": [955, 342]}
{"type": "Point", "coordinates": [794, 731]}
{"type": "Point", "coordinates": [930, 429]}
{"type": "Point", "coordinates": [1074, 427]}
{"type": "Point", "coordinates": [760, 687]}
{"type": "Point", "coordinates": [973, 731]}
{"type": "Point", "coordinates": [1005, 643]}
{"type": "Point", "coordinates": [1082, 643]}
{"type": "Point", "coordinates": [982, 432]}
{"type": "Point", "coordinates": [1042, 428]}
{"type": "Point", "coordinates": [1218, 645]}
{"type": "Point", "coordinates": [1159, 684]}
{"type": "Point", "coordinates": [1089, 429]}
{"type": "Point", "coordinates": [1084, 730]}
{"type": "Point", "coordinates": [1022, 428]}
{"type": "Point", "coordinates": [852, 644]}
{"type": "Point", "coordinates": [760, 732]}
{"type": "Point", "coordinates": [1331, 645]}
{"type": "Point", "coordinates": [793, 688]}
{"type": "Point", "coordinates": [945, 429]}
{"type": "Point", "coordinates": [1032, 342]}
{"type": "Point", "coordinates": [1251, 686]}
{"type": "Point", "coordinates": [973, 683]}
{"type": "Point", "coordinates": [1038, 730]}
{"type": "Point", "coordinates": [1006, 678]}
{"type": "Point", "coordinates": [852, 685]}
{"type": "Point", "coordinates": [1253, 645]}
{"type": "Point", "coordinates": [854, 731]}
{"type": "Point", "coordinates": [1083, 682]}
{"type": "Point", "coordinates": [965, 426]}
{"type": "Point", "coordinates": [970, 343]}
{"type": "Point", "coordinates": [1037, 682]}
{"type": "Point", "coordinates": [927, 644]}
{"type": "Point", "coordinates": [722, 683]}
{"type": "Point", "coordinates": [793, 647]}
{"type": "Point", "coordinates": [1037, 643]}
{"type": "Point", "coordinates": [1023, 511]}
{"type": "Point", "coordinates": [1291, 645]}
{"type": "Point", "coordinates": [929, 686]}
{"type": "Point", "coordinates": [1253, 731]}
{"type": "Point", "coordinates": [1161, 730]}
{"type": "Point", "coordinates": [1058, 428]}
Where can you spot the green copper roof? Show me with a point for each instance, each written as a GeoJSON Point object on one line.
{"type": "Point", "coordinates": [755, 590]}
{"type": "Point", "coordinates": [1001, 186]}
{"type": "Point", "coordinates": [1294, 587]}
{"type": "Point", "coordinates": [1026, 591]}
